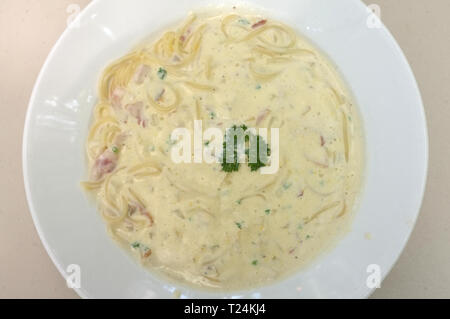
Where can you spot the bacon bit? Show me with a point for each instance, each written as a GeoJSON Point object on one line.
{"type": "Point", "coordinates": [262, 116]}
{"type": "Point", "coordinates": [120, 139]}
{"type": "Point", "coordinates": [184, 36]}
{"type": "Point", "coordinates": [116, 97]}
{"type": "Point", "coordinates": [160, 95]}
{"type": "Point", "coordinates": [136, 111]}
{"type": "Point", "coordinates": [136, 206]}
{"type": "Point", "coordinates": [259, 24]}
{"type": "Point", "coordinates": [148, 253]}
{"type": "Point", "coordinates": [301, 193]}
{"type": "Point", "coordinates": [322, 141]}
{"type": "Point", "coordinates": [141, 73]}
{"type": "Point", "coordinates": [150, 218]}
{"type": "Point", "coordinates": [104, 164]}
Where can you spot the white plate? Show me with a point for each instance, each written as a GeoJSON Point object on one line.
{"type": "Point", "coordinates": [369, 60]}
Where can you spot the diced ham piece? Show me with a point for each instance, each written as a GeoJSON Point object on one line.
{"type": "Point", "coordinates": [120, 140]}
{"type": "Point", "coordinates": [141, 72]}
{"type": "Point", "coordinates": [137, 111]}
{"type": "Point", "coordinates": [104, 164]}
{"type": "Point", "coordinates": [259, 24]}
{"type": "Point", "coordinates": [116, 97]}
{"type": "Point", "coordinates": [138, 207]}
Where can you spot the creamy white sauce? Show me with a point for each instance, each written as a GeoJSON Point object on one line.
{"type": "Point", "coordinates": [196, 222]}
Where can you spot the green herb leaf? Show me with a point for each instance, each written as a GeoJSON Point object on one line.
{"type": "Point", "coordinates": [261, 158]}
{"type": "Point", "coordinates": [267, 211]}
{"type": "Point", "coordinates": [228, 140]}
{"type": "Point", "coordinates": [244, 21]}
{"type": "Point", "coordinates": [239, 225]}
{"type": "Point", "coordinates": [162, 73]}
{"type": "Point", "coordinates": [234, 165]}
{"type": "Point", "coordinates": [136, 244]}
{"type": "Point", "coordinates": [254, 262]}
{"type": "Point", "coordinates": [286, 185]}
{"type": "Point", "coordinates": [115, 149]}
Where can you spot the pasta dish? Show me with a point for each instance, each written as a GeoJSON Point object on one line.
{"type": "Point", "coordinates": [225, 225]}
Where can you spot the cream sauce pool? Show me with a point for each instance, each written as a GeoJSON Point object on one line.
{"type": "Point", "coordinates": [196, 222]}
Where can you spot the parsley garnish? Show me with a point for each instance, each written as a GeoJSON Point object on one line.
{"type": "Point", "coordinates": [260, 161]}
{"type": "Point", "coordinates": [231, 138]}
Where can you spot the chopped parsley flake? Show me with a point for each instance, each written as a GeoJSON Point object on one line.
{"type": "Point", "coordinates": [267, 211]}
{"type": "Point", "coordinates": [136, 244]}
{"type": "Point", "coordinates": [287, 185]}
{"type": "Point", "coordinates": [254, 262]}
{"type": "Point", "coordinates": [162, 73]}
{"type": "Point", "coordinates": [115, 149]}
{"type": "Point", "coordinates": [170, 141]}
{"type": "Point", "coordinates": [239, 225]}
{"type": "Point", "coordinates": [244, 21]}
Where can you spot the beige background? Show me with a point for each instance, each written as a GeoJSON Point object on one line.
{"type": "Point", "coordinates": [29, 28]}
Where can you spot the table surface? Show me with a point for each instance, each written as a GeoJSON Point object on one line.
{"type": "Point", "coordinates": [28, 30]}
